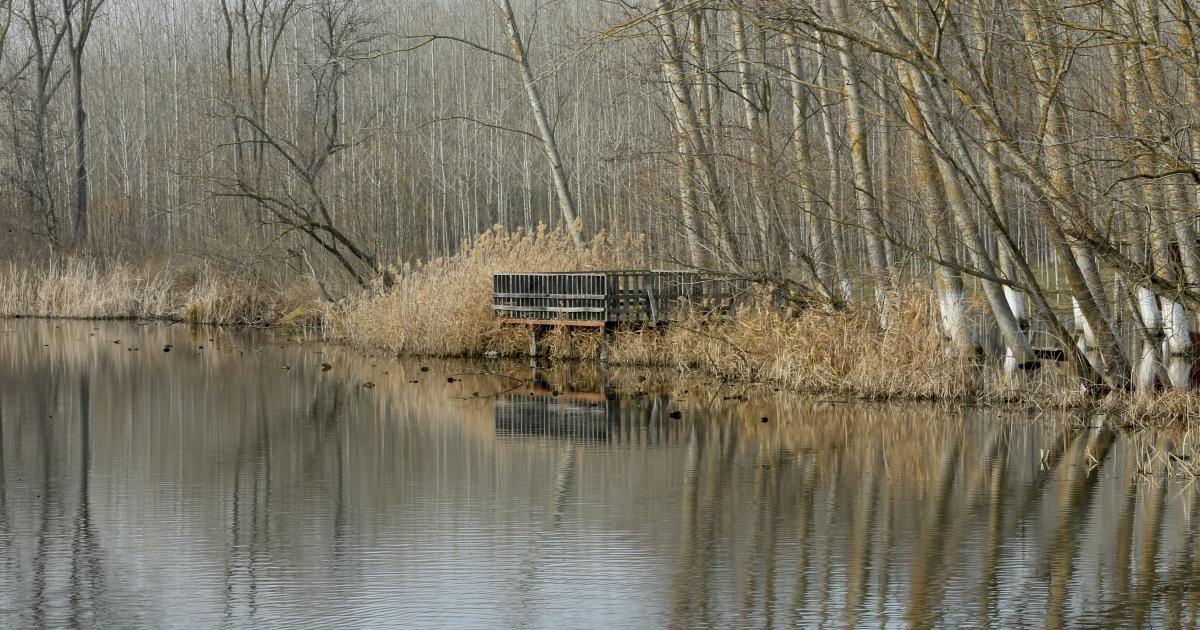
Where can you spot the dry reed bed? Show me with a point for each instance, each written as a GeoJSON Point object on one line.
{"type": "Point", "coordinates": [83, 288]}
{"type": "Point", "coordinates": [845, 353]}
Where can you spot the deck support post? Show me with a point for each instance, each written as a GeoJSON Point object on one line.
{"type": "Point", "coordinates": [606, 335]}
{"type": "Point", "coordinates": [535, 335]}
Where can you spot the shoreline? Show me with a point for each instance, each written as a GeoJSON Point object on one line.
{"type": "Point", "coordinates": [1161, 410]}
{"type": "Point", "coordinates": [442, 308]}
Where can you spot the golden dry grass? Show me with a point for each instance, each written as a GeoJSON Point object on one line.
{"type": "Point", "coordinates": [1149, 409]}
{"type": "Point", "coordinates": [443, 307]}
{"type": "Point", "coordinates": [86, 289]}
{"type": "Point", "coordinates": [846, 353]}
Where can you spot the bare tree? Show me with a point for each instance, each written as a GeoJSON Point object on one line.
{"type": "Point", "coordinates": [864, 188]}
{"type": "Point", "coordinates": [80, 17]}
{"type": "Point", "coordinates": [520, 55]}
{"type": "Point", "coordinates": [286, 181]}
{"type": "Point", "coordinates": [47, 33]}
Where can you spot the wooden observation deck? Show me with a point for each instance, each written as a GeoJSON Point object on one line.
{"type": "Point", "coordinates": [600, 298]}
{"type": "Point", "coordinates": [603, 299]}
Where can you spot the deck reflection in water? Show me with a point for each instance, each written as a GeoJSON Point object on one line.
{"type": "Point", "coordinates": [596, 415]}
{"type": "Point", "coordinates": [212, 488]}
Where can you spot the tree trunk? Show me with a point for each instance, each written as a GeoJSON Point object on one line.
{"type": "Point", "coordinates": [948, 284]}
{"type": "Point", "coordinates": [688, 200]}
{"type": "Point", "coordinates": [76, 44]}
{"type": "Point", "coordinates": [864, 189]}
{"type": "Point", "coordinates": [824, 270]}
{"type": "Point", "coordinates": [685, 111]}
{"type": "Point", "coordinates": [749, 102]}
{"type": "Point", "coordinates": [838, 223]}
{"type": "Point", "coordinates": [566, 202]}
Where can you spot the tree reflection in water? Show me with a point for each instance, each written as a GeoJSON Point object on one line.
{"type": "Point", "coordinates": [213, 488]}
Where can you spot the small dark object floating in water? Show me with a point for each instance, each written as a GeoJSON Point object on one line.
{"type": "Point", "coordinates": [475, 394]}
{"type": "Point", "coordinates": [166, 348]}
{"type": "Point", "coordinates": [450, 379]}
{"type": "Point", "coordinates": [424, 369]}
{"type": "Point", "coordinates": [414, 382]}
{"type": "Point", "coordinates": [764, 419]}
{"type": "Point", "coordinates": [325, 367]}
{"type": "Point", "coordinates": [286, 368]}
{"type": "Point", "coordinates": [117, 341]}
{"type": "Point", "coordinates": [675, 414]}
{"type": "Point", "coordinates": [368, 384]}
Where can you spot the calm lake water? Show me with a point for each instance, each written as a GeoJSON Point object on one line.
{"type": "Point", "coordinates": [243, 485]}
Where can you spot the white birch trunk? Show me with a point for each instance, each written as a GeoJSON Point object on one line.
{"type": "Point", "coordinates": [1151, 353]}
{"type": "Point", "coordinates": [818, 221]}
{"type": "Point", "coordinates": [864, 189]}
{"type": "Point", "coordinates": [566, 201]}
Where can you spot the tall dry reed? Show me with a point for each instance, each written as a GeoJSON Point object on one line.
{"type": "Point", "coordinates": [845, 353]}
{"type": "Point", "coordinates": [88, 289]}
{"type": "Point", "coordinates": [443, 307]}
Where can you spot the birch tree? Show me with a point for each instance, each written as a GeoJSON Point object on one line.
{"type": "Point", "coordinates": [566, 202]}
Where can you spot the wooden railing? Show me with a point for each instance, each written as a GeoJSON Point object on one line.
{"type": "Point", "coordinates": [598, 298]}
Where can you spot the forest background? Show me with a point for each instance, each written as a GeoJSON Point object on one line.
{"type": "Point", "coordinates": [915, 189]}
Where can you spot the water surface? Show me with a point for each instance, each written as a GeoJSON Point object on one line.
{"type": "Point", "coordinates": [241, 484]}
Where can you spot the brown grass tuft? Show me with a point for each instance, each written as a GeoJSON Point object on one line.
{"type": "Point", "coordinates": [1151, 409]}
